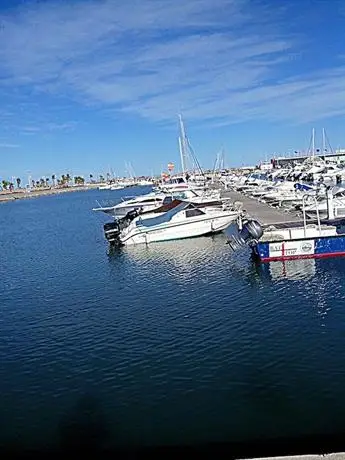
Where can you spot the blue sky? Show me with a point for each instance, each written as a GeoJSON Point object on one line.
{"type": "Point", "coordinates": [88, 85]}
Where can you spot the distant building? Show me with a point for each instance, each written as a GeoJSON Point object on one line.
{"type": "Point", "coordinates": [245, 168]}
{"type": "Point", "coordinates": [266, 166]}
{"type": "Point", "coordinates": [338, 156]}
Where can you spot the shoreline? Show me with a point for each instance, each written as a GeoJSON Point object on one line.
{"type": "Point", "coordinates": [6, 196]}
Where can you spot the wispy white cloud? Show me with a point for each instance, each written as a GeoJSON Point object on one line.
{"type": "Point", "coordinates": [48, 127]}
{"type": "Point", "coordinates": [225, 61]}
{"type": "Point", "coordinates": [31, 129]}
{"type": "Point", "coordinates": [5, 145]}
{"type": "Point", "coordinates": [66, 126]}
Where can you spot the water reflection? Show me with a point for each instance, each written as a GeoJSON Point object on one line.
{"type": "Point", "coordinates": [317, 282]}
{"type": "Point", "coordinates": [180, 258]}
{"type": "Point", "coordinates": [294, 270]}
{"type": "Point", "coordinates": [185, 259]}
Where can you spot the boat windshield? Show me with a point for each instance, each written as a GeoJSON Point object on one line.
{"type": "Point", "coordinates": [182, 195]}
{"type": "Point", "coordinates": [166, 217]}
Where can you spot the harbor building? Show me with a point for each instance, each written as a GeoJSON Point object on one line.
{"type": "Point", "coordinates": [336, 156]}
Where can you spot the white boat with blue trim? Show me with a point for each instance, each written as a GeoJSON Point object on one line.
{"type": "Point", "coordinates": [275, 243]}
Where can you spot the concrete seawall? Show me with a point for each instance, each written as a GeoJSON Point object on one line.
{"type": "Point", "coordinates": [6, 196]}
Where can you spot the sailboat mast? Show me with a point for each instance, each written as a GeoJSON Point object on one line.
{"type": "Point", "coordinates": [182, 145]}
{"type": "Point", "coordinates": [313, 144]}
{"type": "Point", "coordinates": [181, 154]}
{"type": "Point", "coordinates": [323, 141]}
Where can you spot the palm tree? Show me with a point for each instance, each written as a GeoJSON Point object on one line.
{"type": "Point", "coordinates": [101, 178]}
{"type": "Point", "coordinates": [79, 180]}
{"type": "Point", "coordinates": [18, 181]}
{"type": "Point", "coordinates": [47, 182]}
{"type": "Point", "coordinates": [53, 179]}
{"type": "Point", "coordinates": [5, 184]}
{"type": "Point", "coordinates": [33, 183]}
{"type": "Point", "coordinates": [68, 178]}
{"type": "Point", "coordinates": [63, 179]}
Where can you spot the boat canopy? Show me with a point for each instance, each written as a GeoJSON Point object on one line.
{"type": "Point", "coordinates": [302, 187]}
{"type": "Point", "coordinates": [165, 217]}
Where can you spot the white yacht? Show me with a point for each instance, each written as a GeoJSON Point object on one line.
{"type": "Point", "coordinates": [111, 186]}
{"type": "Point", "coordinates": [337, 202]}
{"type": "Point", "coordinates": [116, 187]}
{"type": "Point", "coordinates": [277, 191]}
{"type": "Point", "coordinates": [153, 200]}
{"type": "Point", "coordinates": [104, 187]}
{"type": "Point", "coordinates": [178, 183]}
{"type": "Point", "coordinates": [174, 183]}
{"type": "Point", "coordinates": [183, 220]}
{"type": "Point", "coordinates": [142, 203]}
{"type": "Point", "coordinates": [145, 182]}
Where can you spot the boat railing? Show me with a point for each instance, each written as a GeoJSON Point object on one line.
{"type": "Point", "coordinates": [305, 197]}
{"type": "Point", "coordinates": [105, 203]}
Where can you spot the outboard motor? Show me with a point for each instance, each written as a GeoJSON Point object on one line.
{"type": "Point", "coordinates": [132, 214]}
{"type": "Point", "coordinates": [250, 233]}
{"type": "Point", "coordinates": [112, 232]}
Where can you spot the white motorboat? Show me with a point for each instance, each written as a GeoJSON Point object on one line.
{"type": "Point", "coordinates": [183, 220]}
{"type": "Point", "coordinates": [116, 187]}
{"type": "Point", "coordinates": [144, 182]}
{"type": "Point", "coordinates": [295, 241]}
{"type": "Point", "coordinates": [336, 201]}
{"type": "Point", "coordinates": [153, 200]}
{"type": "Point", "coordinates": [178, 183]}
{"type": "Point", "coordinates": [111, 186]}
{"type": "Point", "coordinates": [104, 187]}
{"type": "Point", "coordinates": [142, 203]}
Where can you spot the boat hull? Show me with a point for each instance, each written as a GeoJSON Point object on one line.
{"type": "Point", "coordinates": [303, 248]}
{"type": "Point", "coordinates": [177, 231]}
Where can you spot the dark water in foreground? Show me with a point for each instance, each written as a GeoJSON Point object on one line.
{"type": "Point", "coordinates": [180, 342]}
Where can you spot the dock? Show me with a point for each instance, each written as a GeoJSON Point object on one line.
{"type": "Point", "coordinates": [265, 214]}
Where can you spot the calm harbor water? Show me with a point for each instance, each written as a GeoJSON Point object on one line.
{"type": "Point", "coordinates": [179, 342]}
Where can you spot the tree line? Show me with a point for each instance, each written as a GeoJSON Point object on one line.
{"type": "Point", "coordinates": [53, 181]}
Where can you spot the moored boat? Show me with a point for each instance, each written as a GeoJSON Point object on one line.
{"type": "Point", "coordinates": [274, 243]}
{"type": "Point", "coordinates": [153, 200]}
{"type": "Point", "coordinates": [182, 220]}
